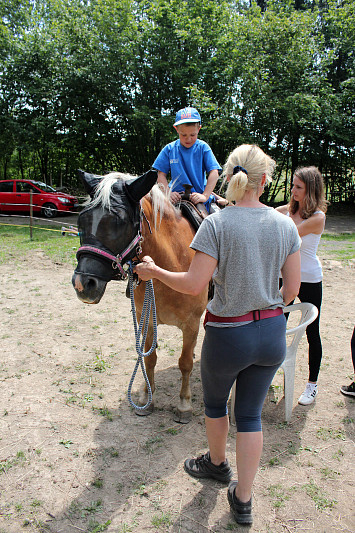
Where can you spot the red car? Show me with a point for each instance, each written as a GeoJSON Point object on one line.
{"type": "Point", "coordinates": [15, 197]}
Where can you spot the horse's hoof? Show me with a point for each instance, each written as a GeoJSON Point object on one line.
{"type": "Point", "coordinates": [182, 417]}
{"type": "Point", "coordinates": [145, 412]}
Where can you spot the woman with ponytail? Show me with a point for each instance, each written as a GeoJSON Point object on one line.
{"type": "Point", "coordinates": [242, 248]}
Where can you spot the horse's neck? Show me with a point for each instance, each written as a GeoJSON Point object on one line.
{"type": "Point", "coordinates": [157, 216]}
{"type": "Point", "coordinates": [167, 239]}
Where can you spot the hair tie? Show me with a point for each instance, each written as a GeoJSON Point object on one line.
{"type": "Point", "coordinates": [238, 168]}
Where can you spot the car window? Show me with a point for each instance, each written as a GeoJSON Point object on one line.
{"type": "Point", "coordinates": [7, 186]}
{"type": "Point", "coordinates": [44, 186]}
{"type": "Point", "coordinates": [25, 187]}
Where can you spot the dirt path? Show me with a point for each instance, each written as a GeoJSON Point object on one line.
{"type": "Point", "coordinates": [74, 457]}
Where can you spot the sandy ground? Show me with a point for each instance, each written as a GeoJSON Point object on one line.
{"type": "Point", "coordinates": [74, 456]}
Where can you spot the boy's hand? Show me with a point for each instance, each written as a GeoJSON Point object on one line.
{"type": "Point", "coordinates": [175, 197]}
{"type": "Point", "coordinates": [222, 201]}
{"type": "Point", "coordinates": [145, 269]}
{"type": "Point", "coordinates": [197, 198]}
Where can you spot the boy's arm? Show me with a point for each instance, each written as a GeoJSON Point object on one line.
{"type": "Point", "coordinates": [197, 198]}
{"type": "Point", "coordinates": [174, 196]}
{"type": "Point", "coordinates": [220, 200]}
{"type": "Point", "coordinates": [162, 179]}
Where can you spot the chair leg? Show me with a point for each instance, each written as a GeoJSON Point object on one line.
{"type": "Point", "coordinates": [232, 413]}
{"type": "Point", "coordinates": [289, 387]}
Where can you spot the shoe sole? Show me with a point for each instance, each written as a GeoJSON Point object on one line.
{"type": "Point", "coordinates": [352, 394]}
{"type": "Point", "coordinates": [243, 519]}
{"type": "Point", "coordinates": [207, 475]}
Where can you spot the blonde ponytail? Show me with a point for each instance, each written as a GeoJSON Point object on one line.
{"type": "Point", "coordinates": [245, 167]}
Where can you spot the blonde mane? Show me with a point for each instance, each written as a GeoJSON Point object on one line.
{"type": "Point", "coordinates": [160, 200]}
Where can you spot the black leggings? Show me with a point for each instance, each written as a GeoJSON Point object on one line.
{"type": "Point", "coordinates": [312, 293]}
{"type": "Point", "coordinates": [353, 348]}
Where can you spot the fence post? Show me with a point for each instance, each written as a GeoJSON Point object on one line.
{"type": "Point", "coordinates": [31, 212]}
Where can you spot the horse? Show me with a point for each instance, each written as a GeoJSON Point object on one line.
{"type": "Point", "coordinates": [129, 217]}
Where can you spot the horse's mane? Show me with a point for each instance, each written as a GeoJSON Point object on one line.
{"type": "Point", "coordinates": [160, 200]}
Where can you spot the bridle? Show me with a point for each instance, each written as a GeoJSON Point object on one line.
{"type": "Point", "coordinates": [118, 261]}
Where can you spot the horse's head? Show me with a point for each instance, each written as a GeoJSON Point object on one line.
{"type": "Point", "coordinates": [109, 229]}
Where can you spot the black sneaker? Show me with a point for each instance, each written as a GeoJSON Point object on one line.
{"type": "Point", "coordinates": [240, 510]}
{"type": "Point", "coordinates": [202, 467]}
{"type": "Point", "coordinates": [348, 390]}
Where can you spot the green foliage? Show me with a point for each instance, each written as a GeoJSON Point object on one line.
{"type": "Point", "coordinates": [96, 84]}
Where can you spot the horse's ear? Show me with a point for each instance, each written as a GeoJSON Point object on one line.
{"type": "Point", "coordinates": [90, 181]}
{"type": "Point", "coordinates": [136, 188]}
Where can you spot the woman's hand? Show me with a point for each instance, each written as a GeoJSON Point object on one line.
{"type": "Point", "coordinates": [145, 269]}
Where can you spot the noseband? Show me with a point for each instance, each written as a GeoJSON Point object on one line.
{"type": "Point", "coordinates": [119, 260]}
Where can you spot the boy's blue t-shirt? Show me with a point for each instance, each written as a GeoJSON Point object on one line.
{"type": "Point", "coordinates": [187, 165]}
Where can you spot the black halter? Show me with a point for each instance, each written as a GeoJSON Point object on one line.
{"type": "Point", "coordinates": [118, 261]}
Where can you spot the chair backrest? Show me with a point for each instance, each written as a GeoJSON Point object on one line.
{"type": "Point", "coordinates": [309, 313]}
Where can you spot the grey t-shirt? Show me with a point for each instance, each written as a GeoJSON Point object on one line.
{"type": "Point", "coordinates": [251, 245]}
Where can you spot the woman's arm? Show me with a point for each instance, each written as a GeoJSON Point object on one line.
{"type": "Point", "coordinates": [313, 224]}
{"type": "Point", "coordinates": [291, 277]}
{"type": "Point", "coordinates": [192, 282]}
{"type": "Point", "coordinates": [282, 209]}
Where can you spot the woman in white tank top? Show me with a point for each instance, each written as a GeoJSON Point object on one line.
{"type": "Point", "coordinates": [307, 209]}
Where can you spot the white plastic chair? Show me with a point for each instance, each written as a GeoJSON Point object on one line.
{"type": "Point", "coordinates": [309, 313]}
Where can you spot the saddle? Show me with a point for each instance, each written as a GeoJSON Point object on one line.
{"type": "Point", "coordinates": [193, 213]}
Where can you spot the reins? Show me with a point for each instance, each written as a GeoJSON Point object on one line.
{"type": "Point", "coordinates": [141, 330]}
{"type": "Point", "coordinates": [118, 262]}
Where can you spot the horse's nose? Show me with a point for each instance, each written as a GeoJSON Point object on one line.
{"type": "Point", "coordinates": [88, 288]}
{"type": "Point", "coordinates": [91, 284]}
{"type": "Point", "coordinates": [84, 283]}
{"type": "Point", "coordinates": [76, 282]}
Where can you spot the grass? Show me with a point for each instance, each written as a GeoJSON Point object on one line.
{"type": "Point", "coordinates": [330, 433]}
{"type": "Point", "coordinates": [316, 494]}
{"type": "Point", "coordinates": [278, 495]}
{"type": "Point", "coordinates": [6, 464]}
{"type": "Point", "coordinates": [339, 237]}
{"type": "Point", "coordinates": [152, 443]}
{"type": "Point", "coordinates": [163, 520]}
{"type": "Point", "coordinates": [103, 411]}
{"type": "Point", "coordinates": [15, 242]}
{"type": "Point", "coordinates": [340, 247]}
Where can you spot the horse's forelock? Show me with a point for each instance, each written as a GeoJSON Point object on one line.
{"type": "Point", "coordinates": [103, 191]}
{"type": "Point", "coordinates": [160, 200]}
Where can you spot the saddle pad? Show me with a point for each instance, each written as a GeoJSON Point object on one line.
{"type": "Point", "coordinates": [192, 213]}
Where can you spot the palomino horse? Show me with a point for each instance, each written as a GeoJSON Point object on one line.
{"type": "Point", "coordinates": [120, 223]}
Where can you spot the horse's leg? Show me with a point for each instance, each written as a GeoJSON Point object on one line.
{"type": "Point", "coordinates": [183, 412]}
{"type": "Point", "coordinates": [150, 362]}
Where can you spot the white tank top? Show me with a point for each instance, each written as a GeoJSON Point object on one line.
{"type": "Point", "coordinates": [311, 268]}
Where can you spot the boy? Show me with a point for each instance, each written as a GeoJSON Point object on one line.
{"type": "Point", "coordinates": [189, 160]}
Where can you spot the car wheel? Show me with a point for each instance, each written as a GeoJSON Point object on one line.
{"type": "Point", "coordinates": [49, 210]}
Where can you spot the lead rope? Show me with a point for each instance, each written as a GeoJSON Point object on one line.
{"type": "Point", "coordinates": [148, 306]}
